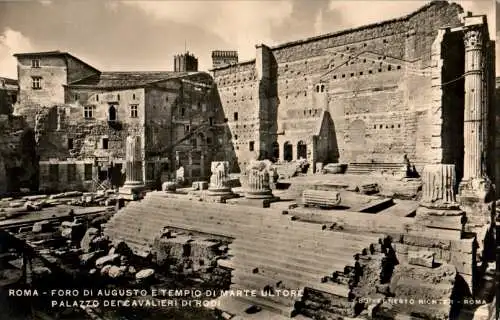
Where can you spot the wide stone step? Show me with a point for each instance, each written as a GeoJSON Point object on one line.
{"type": "Point", "coordinates": [159, 221]}
{"type": "Point", "coordinates": [330, 263]}
{"type": "Point", "coordinates": [186, 214]}
{"type": "Point", "coordinates": [280, 266]}
{"type": "Point", "coordinates": [324, 246]}
{"type": "Point", "coordinates": [346, 248]}
{"type": "Point", "coordinates": [336, 289]}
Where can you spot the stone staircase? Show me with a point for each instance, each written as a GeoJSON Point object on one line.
{"type": "Point", "coordinates": [270, 253]}
{"type": "Point", "coordinates": [368, 167]}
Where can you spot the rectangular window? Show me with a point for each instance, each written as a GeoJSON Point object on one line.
{"type": "Point", "coordinates": [88, 171]}
{"type": "Point", "coordinates": [35, 63]}
{"type": "Point", "coordinates": [186, 128]}
{"type": "Point", "coordinates": [211, 121]}
{"type": "Point", "coordinates": [36, 83]}
{"type": "Point", "coordinates": [71, 172]}
{"type": "Point", "coordinates": [251, 145]}
{"type": "Point", "coordinates": [105, 143]}
{"type": "Point", "coordinates": [77, 96]}
{"type": "Point", "coordinates": [133, 111]}
{"type": "Point", "coordinates": [70, 144]}
{"type": "Point", "coordinates": [236, 116]}
{"type": "Point", "coordinates": [88, 112]}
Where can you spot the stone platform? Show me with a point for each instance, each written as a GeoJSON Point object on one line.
{"type": "Point", "coordinates": [389, 186]}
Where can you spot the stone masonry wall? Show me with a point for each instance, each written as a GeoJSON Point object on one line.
{"type": "Point", "coordinates": [375, 81]}
{"type": "Point", "coordinates": [53, 72]}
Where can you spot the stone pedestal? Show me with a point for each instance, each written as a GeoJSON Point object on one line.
{"type": "Point", "coordinates": [218, 189]}
{"type": "Point", "coordinates": [133, 169]}
{"type": "Point", "coordinates": [256, 181]}
{"type": "Point", "coordinates": [438, 206]}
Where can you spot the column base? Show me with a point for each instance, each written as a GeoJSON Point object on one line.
{"type": "Point", "coordinates": [219, 192]}
{"type": "Point", "coordinates": [258, 194]}
{"type": "Point", "coordinates": [131, 190]}
{"type": "Point", "coordinates": [475, 190]}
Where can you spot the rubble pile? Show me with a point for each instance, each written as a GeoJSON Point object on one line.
{"type": "Point", "coordinates": [10, 207]}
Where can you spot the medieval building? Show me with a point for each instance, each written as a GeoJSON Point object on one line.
{"type": "Point", "coordinates": [83, 118]}
{"type": "Point", "coordinates": [368, 96]}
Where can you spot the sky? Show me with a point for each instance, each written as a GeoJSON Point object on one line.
{"type": "Point", "coordinates": [145, 35]}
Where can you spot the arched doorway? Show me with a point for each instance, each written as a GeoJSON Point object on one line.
{"type": "Point", "coordinates": [275, 151]}
{"type": "Point", "coordinates": [287, 151]}
{"type": "Point", "coordinates": [112, 113]}
{"type": "Point", "coordinates": [301, 150]}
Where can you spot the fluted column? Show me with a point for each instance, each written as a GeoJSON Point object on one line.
{"type": "Point", "coordinates": [133, 166]}
{"type": "Point", "coordinates": [438, 185]}
{"type": "Point", "coordinates": [257, 180]}
{"type": "Point", "coordinates": [475, 113]}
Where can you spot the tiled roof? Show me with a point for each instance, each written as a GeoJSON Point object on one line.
{"type": "Point", "coordinates": [111, 80]}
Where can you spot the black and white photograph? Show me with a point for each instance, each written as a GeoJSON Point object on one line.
{"type": "Point", "coordinates": [249, 159]}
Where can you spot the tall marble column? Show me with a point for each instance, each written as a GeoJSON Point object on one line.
{"type": "Point", "coordinates": [475, 113]}
{"type": "Point", "coordinates": [476, 192]}
{"type": "Point", "coordinates": [475, 182]}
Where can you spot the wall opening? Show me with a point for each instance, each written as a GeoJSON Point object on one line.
{"type": "Point", "coordinates": [111, 113]}
{"type": "Point", "coordinates": [301, 150]}
{"type": "Point", "coordinates": [275, 150]}
{"type": "Point", "coordinates": [105, 143]}
{"type": "Point", "coordinates": [287, 151]}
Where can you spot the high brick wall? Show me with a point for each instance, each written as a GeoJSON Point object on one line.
{"type": "Point", "coordinates": [375, 81]}
{"type": "Point", "coordinates": [238, 90]}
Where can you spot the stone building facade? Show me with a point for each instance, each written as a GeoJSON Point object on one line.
{"type": "Point", "coordinates": [82, 118]}
{"type": "Point", "coordinates": [365, 96]}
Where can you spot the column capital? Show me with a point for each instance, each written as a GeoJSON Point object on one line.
{"type": "Point", "coordinates": [474, 38]}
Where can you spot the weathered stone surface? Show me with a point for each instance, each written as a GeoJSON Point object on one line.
{"type": "Point", "coordinates": [87, 239]}
{"type": "Point", "coordinates": [258, 178]}
{"type": "Point", "coordinates": [334, 168]}
{"type": "Point", "coordinates": [144, 274]}
{"type": "Point", "coordinates": [169, 186]}
{"type": "Point", "coordinates": [40, 226]}
{"type": "Point", "coordinates": [106, 260]}
{"type": "Point", "coordinates": [421, 258]}
{"type": "Point", "coordinates": [326, 199]}
{"type": "Point", "coordinates": [89, 258]}
{"type": "Point", "coordinates": [439, 181]}
{"type": "Point", "coordinates": [219, 180]}
{"type": "Point", "coordinates": [115, 272]}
